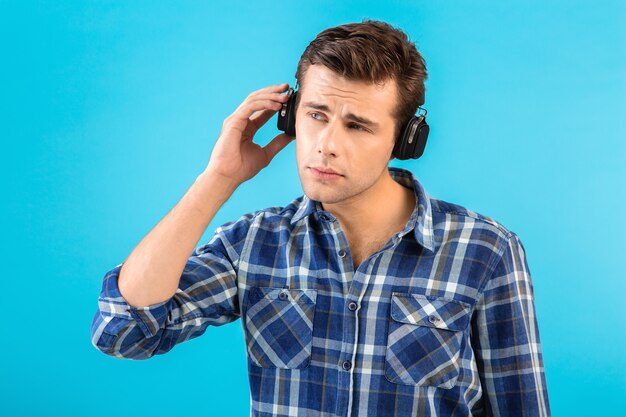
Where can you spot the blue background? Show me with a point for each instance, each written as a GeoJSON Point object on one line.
{"type": "Point", "coordinates": [109, 110]}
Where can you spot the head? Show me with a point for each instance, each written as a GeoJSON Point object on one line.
{"type": "Point", "coordinates": [359, 85]}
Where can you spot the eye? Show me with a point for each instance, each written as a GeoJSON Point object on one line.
{"type": "Point", "coordinates": [357, 127]}
{"type": "Point", "coordinates": [316, 115]}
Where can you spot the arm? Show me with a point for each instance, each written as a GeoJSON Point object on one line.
{"type": "Point", "coordinates": [506, 340]}
{"type": "Point", "coordinates": [206, 295]}
{"type": "Point", "coordinates": [140, 291]}
{"type": "Point", "coordinates": [151, 273]}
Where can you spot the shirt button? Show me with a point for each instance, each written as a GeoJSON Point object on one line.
{"type": "Point", "coordinates": [346, 365]}
{"type": "Point", "coordinates": [342, 253]}
{"type": "Point", "coordinates": [352, 306]}
{"type": "Point", "coordinates": [434, 319]}
{"type": "Point", "coordinates": [282, 295]}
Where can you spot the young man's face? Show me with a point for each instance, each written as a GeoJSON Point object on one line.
{"type": "Point", "coordinates": [344, 126]}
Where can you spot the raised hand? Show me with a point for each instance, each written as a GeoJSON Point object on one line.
{"type": "Point", "coordinates": [235, 156]}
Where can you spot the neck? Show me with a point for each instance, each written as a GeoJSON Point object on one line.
{"type": "Point", "coordinates": [385, 205]}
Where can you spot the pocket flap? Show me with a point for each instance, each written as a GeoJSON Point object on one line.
{"type": "Point", "coordinates": [437, 312]}
{"type": "Point", "coordinates": [307, 296]}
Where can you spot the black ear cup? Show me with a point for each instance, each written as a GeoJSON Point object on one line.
{"type": "Point", "coordinates": [287, 114]}
{"type": "Point", "coordinates": [412, 141]}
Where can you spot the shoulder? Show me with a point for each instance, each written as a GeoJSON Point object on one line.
{"type": "Point", "coordinates": [266, 217]}
{"type": "Point", "coordinates": [264, 225]}
{"type": "Point", "coordinates": [454, 217]}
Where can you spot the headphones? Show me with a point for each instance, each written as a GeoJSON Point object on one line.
{"type": "Point", "coordinates": [409, 145]}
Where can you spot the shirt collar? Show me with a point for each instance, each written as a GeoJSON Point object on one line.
{"type": "Point", "coordinates": [421, 221]}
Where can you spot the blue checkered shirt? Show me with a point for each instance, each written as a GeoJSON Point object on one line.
{"type": "Point", "coordinates": [439, 322]}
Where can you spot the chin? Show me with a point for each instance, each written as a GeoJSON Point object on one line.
{"type": "Point", "coordinates": [325, 196]}
{"type": "Point", "coordinates": [313, 193]}
{"type": "Point", "coordinates": [327, 193]}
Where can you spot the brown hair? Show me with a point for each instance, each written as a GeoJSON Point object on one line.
{"type": "Point", "coordinates": [374, 52]}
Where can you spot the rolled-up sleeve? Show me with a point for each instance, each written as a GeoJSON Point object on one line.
{"type": "Point", "coordinates": [207, 295]}
{"type": "Point", "coordinates": [506, 340]}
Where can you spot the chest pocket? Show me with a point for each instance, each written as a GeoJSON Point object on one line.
{"type": "Point", "coordinates": [279, 327]}
{"type": "Point", "coordinates": [424, 340]}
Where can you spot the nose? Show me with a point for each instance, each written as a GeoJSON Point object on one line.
{"type": "Point", "coordinates": [327, 140]}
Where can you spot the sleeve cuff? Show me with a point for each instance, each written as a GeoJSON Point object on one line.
{"type": "Point", "coordinates": [111, 303]}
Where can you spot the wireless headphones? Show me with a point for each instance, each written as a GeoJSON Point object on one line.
{"type": "Point", "coordinates": [409, 145]}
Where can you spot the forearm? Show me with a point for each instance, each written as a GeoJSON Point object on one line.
{"type": "Point", "coordinates": [152, 271]}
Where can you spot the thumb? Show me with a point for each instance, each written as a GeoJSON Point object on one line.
{"type": "Point", "coordinates": [276, 145]}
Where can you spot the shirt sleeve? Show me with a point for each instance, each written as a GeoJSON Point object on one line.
{"type": "Point", "coordinates": [207, 295]}
{"type": "Point", "coordinates": [506, 340]}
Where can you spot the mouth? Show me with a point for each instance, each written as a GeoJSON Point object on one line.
{"type": "Point", "coordinates": [325, 173]}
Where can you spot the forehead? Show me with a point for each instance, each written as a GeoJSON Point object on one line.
{"type": "Point", "coordinates": [320, 84]}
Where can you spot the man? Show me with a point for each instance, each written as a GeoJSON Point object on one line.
{"type": "Point", "coordinates": [365, 296]}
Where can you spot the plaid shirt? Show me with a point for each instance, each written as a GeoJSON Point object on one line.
{"type": "Point", "coordinates": [438, 322]}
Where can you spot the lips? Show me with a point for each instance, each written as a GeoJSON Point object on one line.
{"type": "Point", "coordinates": [323, 173]}
{"type": "Point", "coordinates": [325, 170]}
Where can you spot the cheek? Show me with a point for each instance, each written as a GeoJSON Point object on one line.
{"type": "Point", "coordinates": [366, 148]}
{"type": "Point", "coordinates": [303, 151]}
{"type": "Point", "coordinates": [304, 141]}
{"type": "Point", "coordinates": [299, 151]}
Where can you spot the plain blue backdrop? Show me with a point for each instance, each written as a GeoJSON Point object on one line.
{"type": "Point", "coordinates": [109, 110]}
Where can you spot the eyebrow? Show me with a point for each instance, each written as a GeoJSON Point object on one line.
{"type": "Point", "coordinates": [350, 116]}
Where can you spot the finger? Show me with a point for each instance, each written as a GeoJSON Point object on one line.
{"type": "Point", "coordinates": [259, 119]}
{"type": "Point", "coordinates": [249, 107]}
{"type": "Point", "coordinates": [267, 100]}
{"type": "Point", "coordinates": [276, 145]}
{"type": "Point", "coordinates": [276, 88]}
{"type": "Point", "coordinates": [277, 97]}
{"type": "Point", "coordinates": [240, 119]}
{"type": "Point", "coordinates": [268, 95]}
